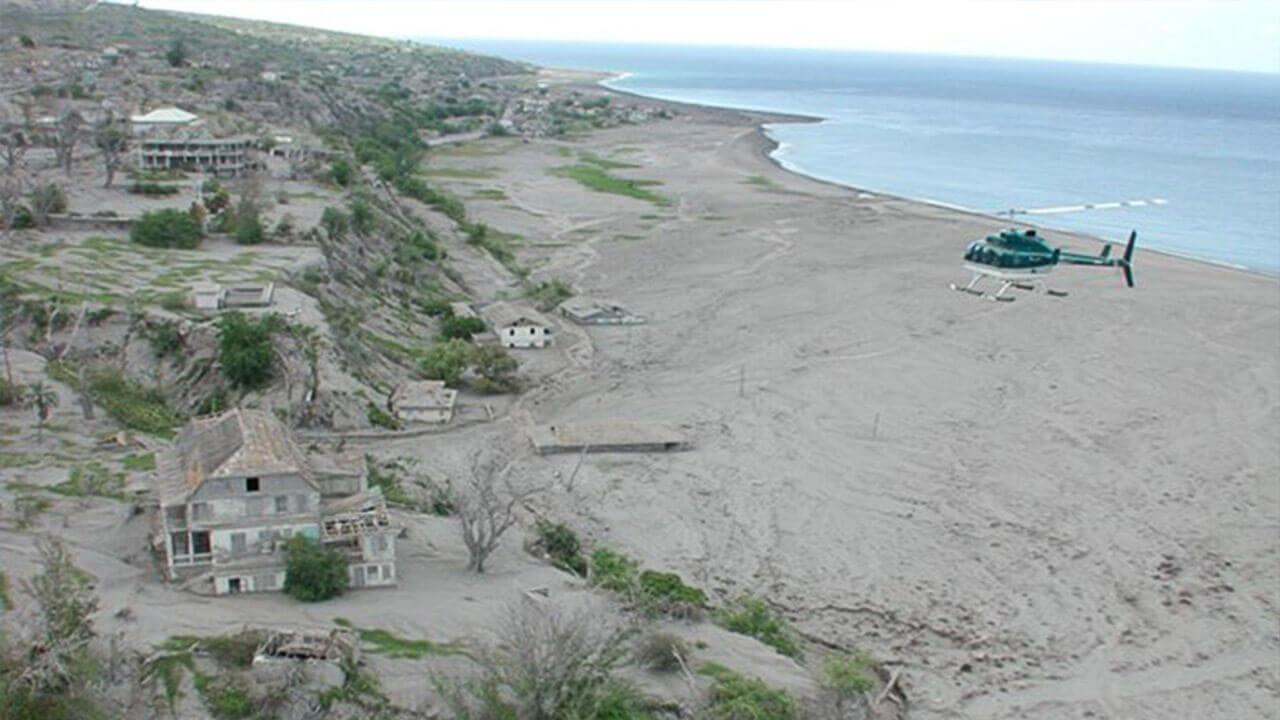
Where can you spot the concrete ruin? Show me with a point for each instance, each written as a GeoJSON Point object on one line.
{"type": "Point", "coordinates": [607, 437]}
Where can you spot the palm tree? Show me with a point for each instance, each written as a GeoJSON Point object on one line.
{"type": "Point", "coordinates": [43, 399]}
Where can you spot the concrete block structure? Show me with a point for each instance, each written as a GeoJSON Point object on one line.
{"type": "Point", "coordinates": [424, 401]}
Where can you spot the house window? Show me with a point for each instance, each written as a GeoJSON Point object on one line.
{"type": "Point", "coordinates": [237, 542]}
{"type": "Point", "coordinates": [200, 544]}
{"type": "Point", "coordinates": [282, 504]}
{"type": "Point", "coordinates": [233, 586]}
{"type": "Point", "coordinates": [372, 572]}
{"type": "Point", "coordinates": [386, 572]}
{"type": "Point", "coordinates": [200, 511]}
{"type": "Point", "coordinates": [181, 543]}
{"type": "Point", "coordinates": [252, 485]}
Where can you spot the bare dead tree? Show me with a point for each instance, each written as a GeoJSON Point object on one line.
{"type": "Point", "coordinates": [112, 142]}
{"type": "Point", "coordinates": [12, 188]}
{"type": "Point", "coordinates": [14, 142]}
{"type": "Point", "coordinates": [67, 133]}
{"type": "Point", "coordinates": [551, 662]}
{"type": "Point", "coordinates": [487, 504]}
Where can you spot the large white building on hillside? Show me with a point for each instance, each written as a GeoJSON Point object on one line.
{"type": "Point", "coordinates": [236, 486]}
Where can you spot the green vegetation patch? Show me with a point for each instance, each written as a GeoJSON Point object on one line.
{"type": "Point", "coordinates": [737, 697]}
{"type": "Point", "coordinates": [92, 479]}
{"type": "Point", "coordinates": [595, 178]}
{"type": "Point", "coordinates": [460, 173]}
{"type": "Point", "coordinates": [139, 462]}
{"type": "Point", "coordinates": [750, 615]}
{"type": "Point", "coordinates": [382, 642]}
{"type": "Point", "coordinates": [313, 573]}
{"type": "Point", "coordinates": [132, 405]}
{"type": "Point", "coordinates": [489, 194]}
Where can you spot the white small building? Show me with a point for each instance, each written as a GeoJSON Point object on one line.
{"type": "Point", "coordinates": [425, 401]}
{"type": "Point", "coordinates": [167, 118]}
{"type": "Point", "coordinates": [208, 296]}
{"type": "Point", "coordinates": [518, 327]}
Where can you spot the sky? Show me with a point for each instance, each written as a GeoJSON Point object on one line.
{"type": "Point", "coordinates": [1217, 34]}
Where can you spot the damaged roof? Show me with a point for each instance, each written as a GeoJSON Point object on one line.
{"type": "Point", "coordinates": [237, 443]}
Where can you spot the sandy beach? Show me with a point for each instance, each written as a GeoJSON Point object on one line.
{"type": "Point", "coordinates": [1057, 507]}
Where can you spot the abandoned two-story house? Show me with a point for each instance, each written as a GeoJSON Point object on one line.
{"type": "Point", "coordinates": [235, 486]}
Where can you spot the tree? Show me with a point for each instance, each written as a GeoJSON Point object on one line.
{"type": "Point", "coordinates": [50, 673]}
{"type": "Point", "coordinates": [446, 361]}
{"type": "Point", "coordinates": [548, 664]}
{"type": "Point", "coordinates": [177, 54]}
{"type": "Point", "coordinates": [487, 505]}
{"type": "Point", "coordinates": [313, 573]}
{"type": "Point", "coordinates": [335, 223]}
{"type": "Point", "coordinates": [340, 171]}
{"type": "Point", "coordinates": [495, 369]}
{"type": "Point", "coordinates": [244, 348]}
{"type": "Point", "coordinates": [43, 399]}
{"type": "Point", "coordinates": [168, 228]}
{"type": "Point", "coordinates": [67, 132]}
{"type": "Point", "coordinates": [112, 142]}
{"type": "Point", "coordinates": [461, 327]}
{"type": "Point", "coordinates": [45, 199]}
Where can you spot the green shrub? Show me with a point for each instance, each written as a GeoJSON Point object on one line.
{"type": "Point", "coordinates": [561, 544]}
{"type": "Point", "coordinates": [752, 616]}
{"type": "Point", "coordinates": [362, 217]}
{"type": "Point", "coordinates": [547, 295]}
{"type": "Point", "coordinates": [10, 393]}
{"type": "Point", "coordinates": [847, 674]}
{"type": "Point", "coordinates": [381, 418]}
{"type": "Point", "coordinates": [735, 697]}
{"type": "Point", "coordinates": [168, 228]}
{"type": "Point", "coordinates": [244, 348]}
{"type": "Point", "coordinates": [152, 189]}
{"type": "Point", "coordinates": [22, 218]}
{"type": "Point", "coordinates": [460, 327]}
{"type": "Point", "coordinates": [614, 571]}
{"type": "Point", "coordinates": [435, 307]}
{"type": "Point", "coordinates": [312, 573]}
{"type": "Point", "coordinates": [424, 246]}
{"type": "Point", "coordinates": [340, 172]}
{"type": "Point", "coordinates": [164, 338]}
{"type": "Point", "coordinates": [446, 361]}
{"type": "Point", "coordinates": [658, 651]}
{"type": "Point", "coordinates": [668, 587]}
{"type": "Point", "coordinates": [225, 696]}
{"type": "Point", "coordinates": [336, 223]}
{"type": "Point", "coordinates": [248, 228]}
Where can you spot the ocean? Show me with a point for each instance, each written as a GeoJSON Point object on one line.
{"type": "Point", "coordinates": [992, 134]}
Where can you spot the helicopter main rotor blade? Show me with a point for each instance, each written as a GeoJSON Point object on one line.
{"type": "Point", "coordinates": [1086, 206]}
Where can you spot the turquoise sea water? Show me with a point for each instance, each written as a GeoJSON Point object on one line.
{"type": "Point", "coordinates": [993, 134]}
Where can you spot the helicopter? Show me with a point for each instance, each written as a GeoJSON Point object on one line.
{"type": "Point", "coordinates": [1020, 257]}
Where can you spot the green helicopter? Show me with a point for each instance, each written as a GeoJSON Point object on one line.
{"type": "Point", "coordinates": [1019, 258]}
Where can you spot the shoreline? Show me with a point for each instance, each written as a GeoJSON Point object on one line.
{"type": "Point", "coordinates": [766, 146]}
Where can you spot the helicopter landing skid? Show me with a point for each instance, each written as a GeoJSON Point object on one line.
{"type": "Point", "coordinates": [971, 288]}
